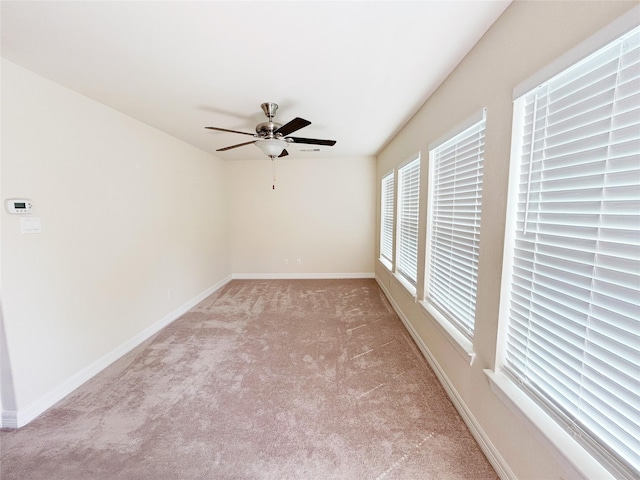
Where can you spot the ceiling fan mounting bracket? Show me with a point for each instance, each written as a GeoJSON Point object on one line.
{"type": "Point", "coordinates": [269, 109]}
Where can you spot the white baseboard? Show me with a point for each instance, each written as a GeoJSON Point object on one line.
{"type": "Point", "coordinates": [493, 455]}
{"type": "Point", "coordinates": [19, 418]}
{"type": "Point", "coordinates": [299, 276]}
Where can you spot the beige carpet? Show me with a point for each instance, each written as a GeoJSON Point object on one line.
{"type": "Point", "coordinates": [273, 379]}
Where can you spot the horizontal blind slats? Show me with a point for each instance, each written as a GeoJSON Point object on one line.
{"type": "Point", "coordinates": [455, 209]}
{"type": "Point", "coordinates": [408, 209]}
{"type": "Point", "coordinates": [573, 337]}
{"type": "Point", "coordinates": [386, 230]}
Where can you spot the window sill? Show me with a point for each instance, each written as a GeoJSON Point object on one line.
{"type": "Point", "coordinates": [461, 343]}
{"type": "Point", "coordinates": [408, 286]}
{"type": "Point", "coordinates": [575, 459]}
{"type": "Point", "coordinates": [386, 263]}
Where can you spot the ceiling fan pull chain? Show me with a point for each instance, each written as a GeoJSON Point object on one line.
{"type": "Point", "coordinates": [273, 172]}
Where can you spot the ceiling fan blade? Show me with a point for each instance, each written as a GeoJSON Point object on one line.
{"type": "Point", "coordinates": [312, 141]}
{"type": "Point", "coordinates": [235, 146]}
{"type": "Point", "coordinates": [231, 131]}
{"type": "Point", "coordinates": [293, 126]}
{"type": "Point", "coordinates": [283, 154]}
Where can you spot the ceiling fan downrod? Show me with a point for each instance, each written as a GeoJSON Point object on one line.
{"type": "Point", "coordinates": [269, 128]}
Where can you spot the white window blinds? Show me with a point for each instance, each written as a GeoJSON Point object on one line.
{"type": "Point", "coordinates": [408, 202]}
{"type": "Point", "coordinates": [454, 226]}
{"type": "Point", "coordinates": [386, 214]}
{"type": "Point", "coordinates": [574, 318]}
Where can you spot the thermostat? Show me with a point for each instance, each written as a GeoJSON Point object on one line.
{"type": "Point", "coordinates": [18, 205]}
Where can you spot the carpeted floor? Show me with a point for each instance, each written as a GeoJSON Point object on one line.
{"type": "Point", "coordinates": [265, 379]}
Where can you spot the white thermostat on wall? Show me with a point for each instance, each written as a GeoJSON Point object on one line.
{"type": "Point", "coordinates": [18, 205]}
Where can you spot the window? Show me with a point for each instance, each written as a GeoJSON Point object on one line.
{"type": "Point", "coordinates": [408, 202]}
{"type": "Point", "coordinates": [386, 214]}
{"type": "Point", "coordinates": [573, 338]}
{"type": "Point", "coordinates": [453, 244]}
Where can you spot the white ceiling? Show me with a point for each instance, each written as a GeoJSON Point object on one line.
{"type": "Point", "coordinates": [358, 70]}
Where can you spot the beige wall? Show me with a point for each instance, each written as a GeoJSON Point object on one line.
{"type": "Point", "coordinates": [322, 212]}
{"type": "Point", "coordinates": [134, 225]}
{"type": "Point", "coordinates": [527, 37]}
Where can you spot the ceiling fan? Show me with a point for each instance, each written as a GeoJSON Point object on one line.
{"type": "Point", "coordinates": [273, 138]}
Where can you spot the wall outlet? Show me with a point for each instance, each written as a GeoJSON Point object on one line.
{"type": "Point", "coordinates": [299, 262]}
{"type": "Point", "coordinates": [286, 262]}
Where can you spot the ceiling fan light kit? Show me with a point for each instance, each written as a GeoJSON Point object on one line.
{"type": "Point", "coordinates": [272, 138]}
{"type": "Point", "coordinates": [272, 147]}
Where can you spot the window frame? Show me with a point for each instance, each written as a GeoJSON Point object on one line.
{"type": "Point", "coordinates": [387, 261]}
{"type": "Point", "coordinates": [446, 313]}
{"type": "Point", "coordinates": [409, 283]}
{"type": "Point", "coordinates": [563, 440]}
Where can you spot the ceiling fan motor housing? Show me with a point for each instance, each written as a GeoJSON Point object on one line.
{"type": "Point", "coordinates": [266, 129]}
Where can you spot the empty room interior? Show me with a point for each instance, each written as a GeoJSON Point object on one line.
{"type": "Point", "coordinates": [424, 264]}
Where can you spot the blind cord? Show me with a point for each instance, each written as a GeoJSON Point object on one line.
{"type": "Point", "coordinates": [533, 139]}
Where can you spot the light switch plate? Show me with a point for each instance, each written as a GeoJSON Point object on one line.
{"type": "Point", "coordinates": [30, 225]}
